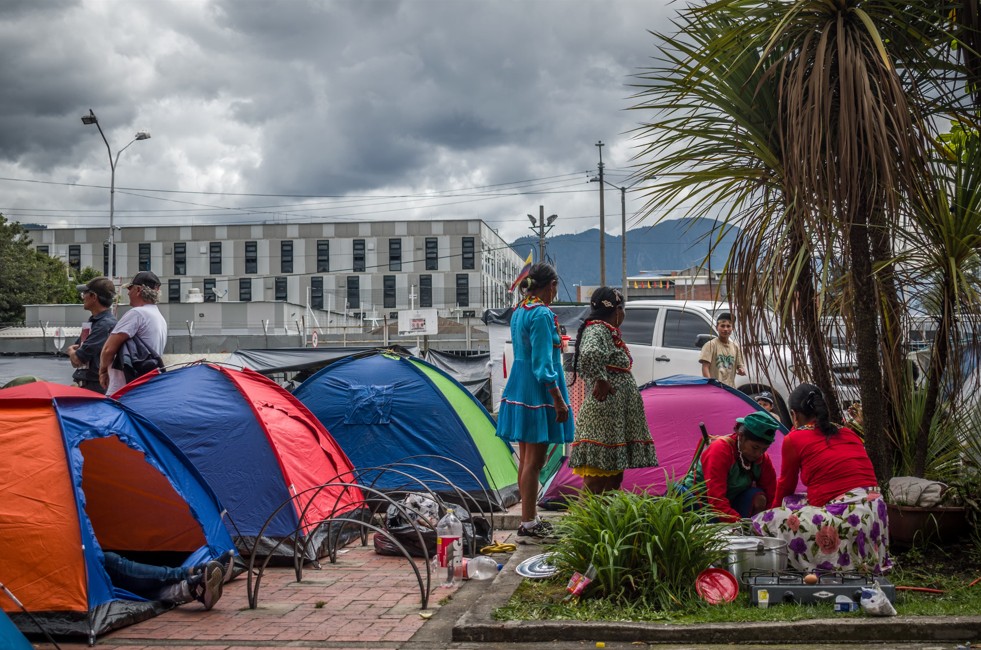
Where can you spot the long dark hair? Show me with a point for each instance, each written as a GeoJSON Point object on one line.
{"type": "Point", "coordinates": [603, 303]}
{"type": "Point", "coordinates": [539, 275]}
{"type": "Point", "coordinates": [808, 400]}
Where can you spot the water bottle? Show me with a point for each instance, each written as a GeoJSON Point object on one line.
{"type": "Point", "coordinates": [480, 568]}
{"type": "Point", "coordinates": [449, 546]}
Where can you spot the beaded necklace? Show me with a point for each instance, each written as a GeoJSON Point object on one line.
{"type": "Point", "coordinates": [618, 342]}
{"type": "Point", "coordinates": [530, 302]}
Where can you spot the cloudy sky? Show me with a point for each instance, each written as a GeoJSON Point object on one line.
{"type": "Point", "coordinates": [320, 110]}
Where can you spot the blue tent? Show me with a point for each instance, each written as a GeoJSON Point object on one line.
{"type": "Point", "coordinates": [10, 636]}
{"type": "Point", "coordinates": [382, 408]}
{"type": "Point", "coordinates": [80, 473]}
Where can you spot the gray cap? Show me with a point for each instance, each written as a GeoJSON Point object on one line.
{"type": "Point", "coordinates": [101, 286]}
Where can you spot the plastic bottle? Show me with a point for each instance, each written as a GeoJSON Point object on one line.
{"type": "Point", "coordinates": [449, 546]}
{"type": "Point", "coordinates": [480, 568]}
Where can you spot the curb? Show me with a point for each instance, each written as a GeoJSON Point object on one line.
{"type": "Point", "coordinates": [478, 625]}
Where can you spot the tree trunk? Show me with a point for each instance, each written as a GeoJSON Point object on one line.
{"type": "Point", "coordinates": [935, 377]}
{"type": "Point", "coordinates": [865, 314]}
{"type": "Point", "coordinates": [817, 348]}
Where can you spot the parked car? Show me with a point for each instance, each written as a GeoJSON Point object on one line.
{"type": "Point", "coordinates": [666, 336]}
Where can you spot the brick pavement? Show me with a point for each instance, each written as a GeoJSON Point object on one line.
{"type": "Point", "coordinates": [364, 601]}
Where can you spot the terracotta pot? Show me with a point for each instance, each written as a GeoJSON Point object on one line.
{"type": "Point", "coordinates": [911, 524]}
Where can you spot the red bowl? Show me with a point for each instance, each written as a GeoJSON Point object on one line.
{"type": "Point", "coordinates": [716, 586]}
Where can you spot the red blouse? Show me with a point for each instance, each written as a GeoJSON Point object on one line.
{"type": "Point", "coordinates": [827, 467]}
{"type": "Point", "coordinates": [717, 459]}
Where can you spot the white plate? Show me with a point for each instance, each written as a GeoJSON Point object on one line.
{"type": "Point", "coordinates": [536, 566]}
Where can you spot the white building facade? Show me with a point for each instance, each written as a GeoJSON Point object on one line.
{"type": "Point", "coordinates": [459, 267]}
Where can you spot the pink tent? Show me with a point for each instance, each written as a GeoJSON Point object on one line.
{"type": "Point", "coordinates": [674, 406]}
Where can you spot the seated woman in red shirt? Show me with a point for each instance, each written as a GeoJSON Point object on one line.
{"type": "Point", "coordinates": [738, 477]}
{"type": "Point", "coordinates": [841, 525]}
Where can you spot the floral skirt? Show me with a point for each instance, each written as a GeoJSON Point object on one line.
{"type": "Point", "coordinates": [850, 533]}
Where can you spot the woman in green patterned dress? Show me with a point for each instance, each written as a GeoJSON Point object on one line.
{"type": "Point", "coordinates": [611, 428]}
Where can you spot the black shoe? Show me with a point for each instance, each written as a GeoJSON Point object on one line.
{"type": "Point", "coordinates": [540, 533]}
{"type": "Point", "coordinates": [208, 591]}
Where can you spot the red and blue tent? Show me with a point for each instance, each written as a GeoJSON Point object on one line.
{"type": "Point", "coordinates": [257, 446]}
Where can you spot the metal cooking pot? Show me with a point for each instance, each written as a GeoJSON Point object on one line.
{"type": "Point", "coordinates": [745, 553]}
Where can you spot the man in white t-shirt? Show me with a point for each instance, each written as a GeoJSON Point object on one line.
{"type": "Point", "coordinates": [721, 357]}
{"type": "Point", "coordinates": [142, 321]}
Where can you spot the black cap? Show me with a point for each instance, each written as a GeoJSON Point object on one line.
{"type": "Point", "coordinates": [101, 286]}
{"type": "Point", "coordinates": [144, 278]}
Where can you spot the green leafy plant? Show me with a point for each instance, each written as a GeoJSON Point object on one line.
{"type": "Point", "coordinates": [943, 459]}
{"type": "Point", "coordinates": [645, 549]}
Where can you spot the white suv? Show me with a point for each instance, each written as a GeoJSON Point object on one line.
{"type": "Point", "coordinates": [666, 336]}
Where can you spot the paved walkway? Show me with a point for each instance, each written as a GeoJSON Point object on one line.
{"type": "Point", "coordinates": [364, 601]}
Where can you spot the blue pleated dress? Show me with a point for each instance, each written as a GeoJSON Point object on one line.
{"type": "Point", "coordinates": [526, 412]}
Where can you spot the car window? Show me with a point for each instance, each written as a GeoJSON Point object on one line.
{"type": "Point", "coordinates": [681, 329]}
{"type": "Point", "coordinates": [638, 327]}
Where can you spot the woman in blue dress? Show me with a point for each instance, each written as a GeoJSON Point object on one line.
{"type": "Point", "coordinates": [534, 409]}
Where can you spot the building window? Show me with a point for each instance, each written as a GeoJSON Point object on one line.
{"type": "Point", "coordinates": [209, 290]}
{"type": "Point", "coordinates": [425, 291]}
{"type": "Point", "coordinates": [358, 256]}
{"type": "Point", "coordinates": [388, 282]}
{"type": "Point", "coordinates": [462, 290]}
{"type": "Point", "coordinates": [43, 250]}
{"type": "Point", "coordinates": [323, 256]}
{"type": "Point", "coordinates": [105, 259]}
{"type": "Point", "coordinates": [251, 257]}
{"type": "Point", "coordinates": [75, 257]}
{"type": "Point", "coordinates": [245, 289]}
{"type": "Point", "coordinates": [280, 288]}
{"type": "Point", "coordinates": [144, 257]}
{"type": "Point", "coordinates": [317, 292]}
{"type": "Point", "coordinates": [432, 254]}
{"type": "Point", "coordinates": [180, 258]}
{"type": "Point", "coordinates": [353, 292]}
{"type": "Point", "coordinates": [286, 256]}
{"type": "Point", "coordinates": [468, 253]}
{"type": "Point", "coordinates": [173, 291]}
{"type": "Point", "coordinates": [394, 254]}
{"type": "Point", "coordinates": [215, 258]}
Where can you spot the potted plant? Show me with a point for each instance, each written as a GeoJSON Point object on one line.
{"type": "Point", "coordinates": [939, 507]}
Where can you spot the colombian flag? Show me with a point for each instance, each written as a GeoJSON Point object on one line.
{"type": "Point", "coordinates": [523, 273]}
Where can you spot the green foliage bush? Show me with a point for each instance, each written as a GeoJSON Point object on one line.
{"type": "Point", "coordinates": [645, 549]}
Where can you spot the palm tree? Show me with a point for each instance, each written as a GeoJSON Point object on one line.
{"type": "Point", "coordinates": [812, 121]}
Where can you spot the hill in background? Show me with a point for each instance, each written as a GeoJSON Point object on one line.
{"type": "Point", "coordinates": [668, 246]}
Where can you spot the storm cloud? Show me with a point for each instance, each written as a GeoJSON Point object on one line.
{"type": "Point", "coordinates": [303, 110]}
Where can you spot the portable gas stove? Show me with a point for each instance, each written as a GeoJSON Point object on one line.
{"type": "Point", "coordinates": [789, 586]}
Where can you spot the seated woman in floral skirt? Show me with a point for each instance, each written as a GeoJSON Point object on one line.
{"type": "Point", "coordinates": [842, 524]}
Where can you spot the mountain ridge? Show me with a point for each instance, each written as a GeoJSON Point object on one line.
{"type": "Point", "coordinates": [659, 249]}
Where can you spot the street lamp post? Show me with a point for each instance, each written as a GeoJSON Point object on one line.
{"type": "Point", "coordinates": [140, 135]}
{"type": "Point", "coordinates": [541, 227]}
{"type": "Point", "coordinates": [623, 227]}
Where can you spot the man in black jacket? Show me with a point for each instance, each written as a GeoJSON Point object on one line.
{"type": "Point", "coordinates": [97, 297]}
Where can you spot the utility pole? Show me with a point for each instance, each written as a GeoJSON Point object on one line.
{"type": "Point", "coordinates": [602, 224]}
{"type": "Point", "coordinates": [623, 241]}
{"type": "Point", "coordinates": [541, 227]}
